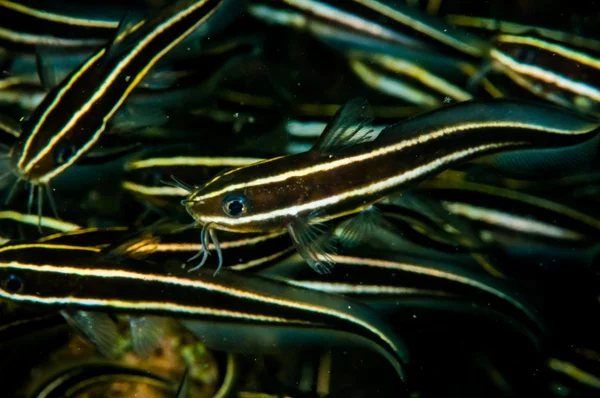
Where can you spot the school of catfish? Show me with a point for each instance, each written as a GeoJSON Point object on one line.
{"type": "Point", "coordinates": [299, 198]}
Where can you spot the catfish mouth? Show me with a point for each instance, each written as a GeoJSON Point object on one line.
{"type": "Point", "coordinates": [199, 219]}
{"type": "Point", "coordinates": [189, 208]}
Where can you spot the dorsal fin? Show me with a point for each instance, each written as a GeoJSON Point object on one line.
{"type": "Point", "coordinates": [350, 125]}
{"type": "Point", "coordinates": [127, 24]}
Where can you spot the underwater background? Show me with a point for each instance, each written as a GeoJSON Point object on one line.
{"type": "Point", "coordinates": [299, 198]}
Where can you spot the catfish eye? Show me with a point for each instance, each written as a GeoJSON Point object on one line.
{"type": "Point", "coordinates": [65, 152]}
{"type": "Point", "coordinates": [13, 284]}
{"type": "Point", "coordinates": [152, 178]}
{"type": "Point", "coordinates": [525, 54]}
{"type": "Point", "coordinates": [235, 206]}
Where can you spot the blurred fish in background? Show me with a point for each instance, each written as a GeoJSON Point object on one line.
{"type": "Point", "coordinates": [299, 198]}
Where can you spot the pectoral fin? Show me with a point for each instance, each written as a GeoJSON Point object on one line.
{"type": "Point", "coordinates": [363, 227]}
{"type": "Point", "coordinates": [97, 328]}
{"type": "Point", "coordinates": [312, 244]}
{"type": "Point", "coordinates": [146, 333]}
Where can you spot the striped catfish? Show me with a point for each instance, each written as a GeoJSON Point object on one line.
{"type": "Point", "coordinates": [90, 236]}
{"type": "Point", "coordinates": [523, 232]}
{"type": "Point", "coordinates": [368, 24]}
{"type": "Point", "coordinates": [558, 72]}
{"type": "Point", "coordinates": [16, 225]}
{"type": "Point", "coordinates": [501, 214]}
{"type": "Point", "coordinates": [489, 27]}
{"type": "Point", "coordinates": [83, 283]}
{"type": "Point", "coordinates": [573, 369]}
{"type": "Point", "coordinates": [173, 244]}
{"type": "Point", "coordinates": [23, 27]}
{"type": "Point", "coordinates": [350, 168]}
{"type": "Point", "coordinates": [393, 282]}
{"type": "Point", "coordinates": [73, 116]}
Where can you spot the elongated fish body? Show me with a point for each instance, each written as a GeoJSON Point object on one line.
{"type": "Point", "coordinates": [560, 73]}
{"type": "Point", "coordinates": [559, 188]}
{"type": "Point", "coordinates": [368, 25]}
{"type": "Point", "coordinates": [515, 218]}
{"type": "Point", "coordinates": [490, 27]}
{"type": "Point", "coordinates": [526, 234]}
{"type": "Point", "coordinates": [88, 237]}
{"type": "Point", "coordinates": [24, 26]}
{"type": "Point", "coordinates": [391, 282]}
{"type": "Point", "coordinates": [73, 116]}
{"type": "Point", "coordinates": [343, 173]}
{"type": "Point", "coordinates": [575, 369]}
{"type": "Point", "coordinates": [421, 229]}
{"type": "Point", "coordinates": [16, 225]}
{"type": "Point", "coordinates": [80, 278]}
{"type": "Point", "coordinates": [173, 81]}
{"type": "Point", "coordinates": [406, 80]}
{"type": "Point", "coordinates": [163, 246]}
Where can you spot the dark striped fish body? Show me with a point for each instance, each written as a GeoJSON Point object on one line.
{"type": "Point", "coordinates": [421, 229]}
{"type": "Point", "coordinates": [393, 282]}
{"type": "Point", "coordinates": [559, 188]}
{"type": "Point", "coordinates": [341, 176]}
{"type": "Point", "coordinates": [178, 88]}
{"type": "Point", "coordinates": [88, 237]}
{"type": "Point", "coordinates": [163, 246]}
{"type": "Point", "coordinates": [409, 79]}
{"type": "Point", "coordinates": [144, 178]}
{"type": "Point", "coordinates": [25, 27]}
{"type": "Point", "coordinates": [80, 278]}
{"type": "Point", "coordinates": [73, 116]}
{"type": "Point", "coordinates": [241, 252]}
{"type": "Point", "coordinates": [575, 370]}
{"type": "Point", "coordinates": [368, 25]}
{"type": "Point", "coordinates": [519, 234]}
{"type": "Point", "coordinates": [315, 16]}
{"type": "Point", "coordinates": [489, 27]}
{"type": "Point", "coordinates": [512, 218]}
{"type": "Point", "coordinates": [172, 82]}
{"type": "Point", "coordinates": [15, 225]}
{"type": "Point", "coordinates": [560, 73]}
